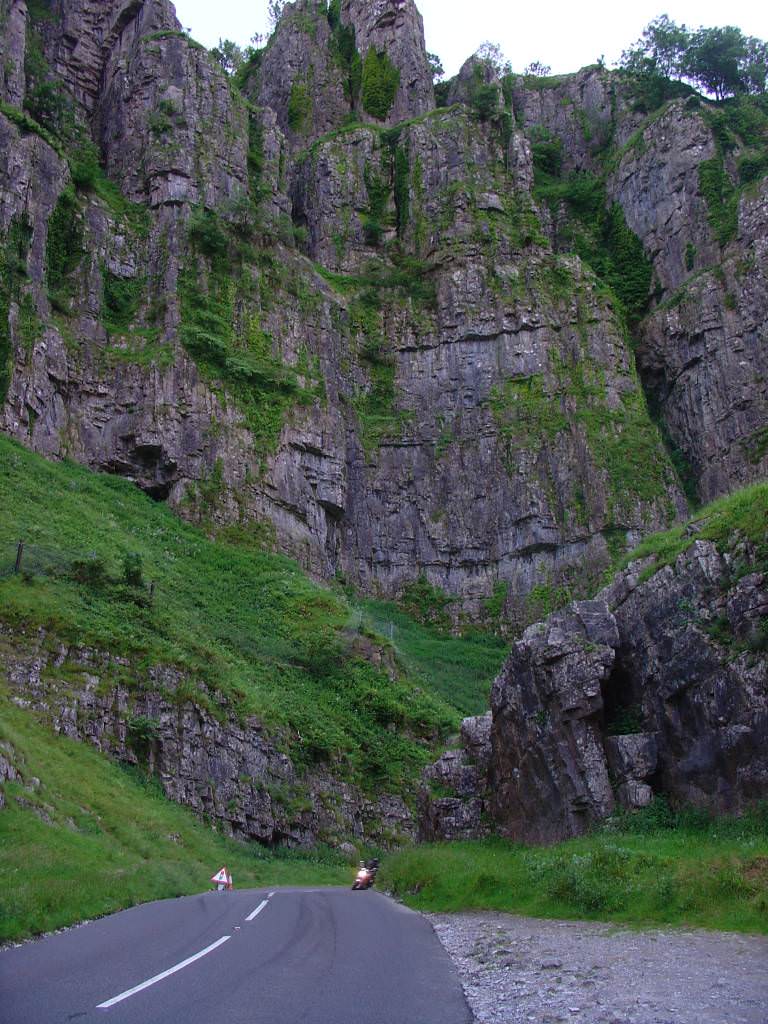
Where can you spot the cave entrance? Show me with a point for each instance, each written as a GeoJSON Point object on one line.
{"type": "Point", "coordinates": [622, 709]}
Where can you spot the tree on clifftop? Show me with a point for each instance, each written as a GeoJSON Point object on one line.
{"type": "Point", "coordinates": [719, 61]}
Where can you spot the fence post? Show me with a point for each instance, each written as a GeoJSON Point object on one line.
{"type": "Point", "coordinates": [19, 555]}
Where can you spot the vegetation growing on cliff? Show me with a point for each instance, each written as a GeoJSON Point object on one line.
{"type": "Point", "coordinates": [221, 330]}
{"type": "Point", "coordinates": [739, 516]}
{"type": "Point", "coordinates": [596, 229]}
{"type": "Point", "coordinates": [380, 81]}
{"type": "Point", "coordinates": [13, 272]}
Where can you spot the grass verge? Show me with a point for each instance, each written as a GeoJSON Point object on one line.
{"type": "Point", "coordinates": [93, 838]}
{"type": "Point", "coordinates": [695, 872]}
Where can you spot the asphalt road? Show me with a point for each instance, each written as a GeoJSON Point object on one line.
{"type": "Point", "coordinates": [296, 956]}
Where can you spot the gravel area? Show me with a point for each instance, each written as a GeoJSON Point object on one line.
{"type": "Point", "coordinates": [521, 969]}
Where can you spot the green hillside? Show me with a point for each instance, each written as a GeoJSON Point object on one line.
{"type": "Point", "coordinates": [105, 565]}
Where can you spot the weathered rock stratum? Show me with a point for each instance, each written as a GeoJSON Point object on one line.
{"type": "Point", "coordinates": [227, 770]}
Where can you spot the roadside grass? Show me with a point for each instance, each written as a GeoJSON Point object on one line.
{"type": "Point", "coordinates": [93, 839]}
{"type": "Point", "coordinates": [249, 625]}
{"type": "Point", "coordinates": [459, 669]}
{"type": "Point", "coordinates": [699, 873]}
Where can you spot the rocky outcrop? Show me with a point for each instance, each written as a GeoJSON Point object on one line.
{"type": "Point", "coordinates": [14, 33]}
{"type": "Point", "coordinates": [548, 774]}
{"type": "Point", "coordinates": [657, 185]}
{"type": "Point", "coordinates": [698, 352]}
{"type": "Point", "coordinates": [301, 77]}
{"type": "Point", "coordinates": [176, 135]}
{"type": "Point", "coordinates": [227, 770]}
{"type": "Point", "coordinates": [355, 61]}
{"type": "Point", "coordinates": [657, 687]}
{"type": "Point", "coordinates": [8, 768]}
{"type": "Point", "coordinates": [580, 110]}
{"type": "Point", "coordinates": [395, 28]}
{"type": "Point", "coordinates": [648, 655]}
{"type": "Point", "coordinates": [453, 798]}
{"type": "Point", "coordinates": [80, 38]}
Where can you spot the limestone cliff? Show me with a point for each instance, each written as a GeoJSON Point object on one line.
{"type": "Point", "coordinates": [233, 772]}
{"type": "Point", "coordinates": [317, 305]}
{"type": "Point", "coordinates": [682, 177]}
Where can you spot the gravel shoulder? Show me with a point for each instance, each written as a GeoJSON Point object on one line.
{"type": "Point", "coordinates": [542, 972]}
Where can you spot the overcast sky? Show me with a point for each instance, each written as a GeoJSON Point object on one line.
{"type": "Point", "coordinates": [562, 33]}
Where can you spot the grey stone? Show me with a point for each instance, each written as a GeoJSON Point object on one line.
{"type": "Point", "coordinates": [633, 756]}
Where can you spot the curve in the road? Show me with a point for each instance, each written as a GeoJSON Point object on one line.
{"type": "Point", "coordinates": [295, 956]}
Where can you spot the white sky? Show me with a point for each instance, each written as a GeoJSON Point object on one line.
{"type": "Point", "coordinates": [562, 33]}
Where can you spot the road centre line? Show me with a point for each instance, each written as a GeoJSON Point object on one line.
{"type": "Point", "coordinates": [165, 974]}
{"type": "Point", "coordinates": [258, 910]}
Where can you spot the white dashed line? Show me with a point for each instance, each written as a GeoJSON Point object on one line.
{"type": "Point", "coordinates": [165, 974]}
{"type": "Point", "coordinates": [258, 910]}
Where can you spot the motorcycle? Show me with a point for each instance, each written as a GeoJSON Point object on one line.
{"type": "Point", "coordinates": [366, 875]}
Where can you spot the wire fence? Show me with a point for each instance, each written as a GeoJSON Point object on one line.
{"type": "Point", "coordinates": [29, 561]}
{"type": "Point", "coordinates": [33, 560]}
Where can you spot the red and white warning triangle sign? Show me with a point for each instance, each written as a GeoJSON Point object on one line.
{"type": "Point", "coordinates": [222, 877]}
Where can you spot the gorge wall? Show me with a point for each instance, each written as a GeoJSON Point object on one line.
{"type": "Point", "coordinates": [230, 772]}
{"type": "Point", "coordinates": [321, 309]}
{"type": "Point", "coordinates": [481, 349]}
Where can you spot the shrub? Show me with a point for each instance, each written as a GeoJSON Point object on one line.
{"type": "Point", "coordinates": [141, 733]}
{"type": "Point", "coordinates": [426, 603]}
{"type": "Point", "coordinates": [380, 82]}
{"type": "Point", "coordinates": [121, 299]}
{"type": "Point", "coordinates": [207, 235]}
{"type": "Point", "coordinates": [299, 107]}
{"type": "Point", "coordinates": [485, 100]}
{"type": "Point", "coordinates": [64, 246]}
{"type": "Point", "coordinates": [90, 572]}
{"type": "Point", "coordinates": [132, 570]}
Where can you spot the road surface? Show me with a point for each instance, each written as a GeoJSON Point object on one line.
{"type": "Point", "coordinates": [295, 956]}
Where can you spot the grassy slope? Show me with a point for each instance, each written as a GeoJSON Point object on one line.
{"type": "Point", "coordinates": [250, 625]}
{"type": "Point", "coordinates": [111, 840]}
{"type": "Point", "coordinates": [460, 669]}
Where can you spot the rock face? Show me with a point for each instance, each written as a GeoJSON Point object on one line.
{"type": "Point", "coordinates": [641, 654]}
{"type": "Point", "coordinates": [360, 60]}
{"type": "Point", "coordinates": [454, 797]}
{"type": "Point", "coordinates": [229, 771]}
{"type": "Point", "coordinates": [653, 688]}
{"type": "Point", "coordinates": [395, 27]}
{"type": "Point", "coordinates": [703, 354]}
{"type": "Point", "coordinates": [8, 770]}
{"type": "Point", "coordinates": [698, 350]}
{"type": "Point", "coordinates": [315, 329]}
{"type": "Point", "coordinates": [316, 335]}
{"type": "Point", "coordinates": [547, 704]}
